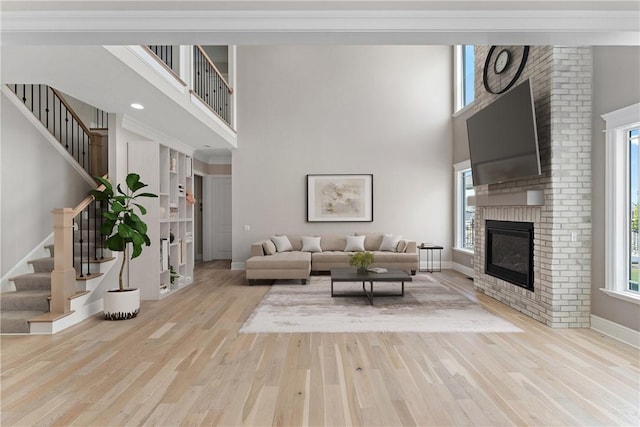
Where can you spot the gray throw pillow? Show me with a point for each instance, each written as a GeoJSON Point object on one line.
{"type": "Point", "coordinates": [311, 244]}
{"type": "Point", "coordinates": [268, 247]}
{"type": "Point", "coordinates": [354, 244]}
{"type": "Point", "coordinates": [282, 243]}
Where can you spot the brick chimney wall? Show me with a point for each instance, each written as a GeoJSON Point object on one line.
{"type": "Point", "coordinates": [561, 78]}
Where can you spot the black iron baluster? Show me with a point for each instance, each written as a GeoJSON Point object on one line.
{"type": "Point", "coordinates": [40, 103]}
{"type": "Point", "coordinates": [47, 109]}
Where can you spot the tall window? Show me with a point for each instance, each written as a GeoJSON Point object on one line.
{"type": "Point", "coordinates": [465, 213]}
{"type": "Point", "coordinates": [465, 75]}
{"type": "Point", "coordinates": [468, 212]}
{"type": "Point", "coordinates": [633, 138]}
{"type": "Point", "coordinates": [622, 198]}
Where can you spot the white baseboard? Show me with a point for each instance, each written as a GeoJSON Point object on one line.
{"type": "Point", "coordinates": [23, 267]}
{"type": "Point", "coordinates": [237, 265]}
{"type": "Point", "coordinates": [463, 269]}
{"type": "Point", "coordinates": [616, 331]}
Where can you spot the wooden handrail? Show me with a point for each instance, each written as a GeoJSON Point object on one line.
{"type": "Point", "coordinates": [87, 201]}
{"type": "Point", "coordinates": [163, 65]}
{"type": "Point", "coordinates": [206, 57]}
{"type": "Point", "coordinates": [73, 113]}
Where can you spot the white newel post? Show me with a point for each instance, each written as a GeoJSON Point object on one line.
{"type": "Point", "coordinates": [63, 276]}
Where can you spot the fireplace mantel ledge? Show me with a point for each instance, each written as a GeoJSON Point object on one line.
{"type": "Point", "coordinates": [516, 198]}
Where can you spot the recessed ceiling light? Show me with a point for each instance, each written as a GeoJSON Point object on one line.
{"type": "Point", "coordinates": [137, 106]}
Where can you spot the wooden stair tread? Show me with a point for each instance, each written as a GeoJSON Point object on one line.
{"type": "Point", "coordinates": [79, 294]}
{"type": "Point", "coordinates": [88, 276]}
{"type": "Point", "coordinates": [50, 317]}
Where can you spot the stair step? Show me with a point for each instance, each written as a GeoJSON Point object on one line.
{"type": "Point", "coordinates": [88, 276]}
{"type": "Point", "coordinates": [37, 300]}
{"type": "Point", "coordinates": [16, 322]}
{"type": "Point", "coordinates": [42, 265]}
{"type": "Point", "coordinates": [32, 281]}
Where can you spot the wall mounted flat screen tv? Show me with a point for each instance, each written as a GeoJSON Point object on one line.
{"type": "Point", "coordinates": [503, 141]}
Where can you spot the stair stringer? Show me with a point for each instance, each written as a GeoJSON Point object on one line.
{"type": "Point", "coordinates": [86, 303]}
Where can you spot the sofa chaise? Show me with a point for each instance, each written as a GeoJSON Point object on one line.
{"type": "Point", "coordinates": [294, 256]}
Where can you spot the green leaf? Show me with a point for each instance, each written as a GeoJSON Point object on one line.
{"type": "Point", "coordinates": [125, 231]}
{"type": "Point", "coordinates": [143, 211]}
{"type": "Point", "coordinates": [99, 195]}
{"type": "Point", "coordinates": [120, 190]}
{"type": "Point", "coordinates": [132, 180]}
{"type": "Point", "coordinates": [107, 227]}
{"type": "Point", "coordinates": [146, 195]}
{"type": "Point", "coordinates": [117, 207]}
{"type": "Point", "coordinates": [110, 215]}
{"type": "Point", "coordinates": [108, 187]}
{"type": "Point", "coordinates": [137, 250]}
{"type": "Point", "coordinates": [116, 243]}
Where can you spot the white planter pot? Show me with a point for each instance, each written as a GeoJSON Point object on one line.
{"type": "Point", "coordinates": [121, 305]}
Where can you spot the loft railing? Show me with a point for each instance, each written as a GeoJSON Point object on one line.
{"type": "Point", "coordinates": [164, 52]}
{"type": "Point", "coordinates": [102, 119]}
{"type": "Point", "coordinates": [51, 109]}
{"type": "Point", "coordinates": [210, 85]}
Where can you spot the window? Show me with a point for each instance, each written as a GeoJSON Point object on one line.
{"type": "Point", "coordinates": [634, 178]}
{"type": "Point", "coordinates": [465, 75]}
{"type": "Point", "coordinates": [622, 186]}
{"type": "Point", "coordinates": [464, 212]}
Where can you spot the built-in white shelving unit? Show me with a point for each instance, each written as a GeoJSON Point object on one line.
{"type": "Point", "coordinates": [169, 174]}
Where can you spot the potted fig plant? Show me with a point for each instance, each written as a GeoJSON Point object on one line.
{"type": "Point", "coordinates": [124, 230]}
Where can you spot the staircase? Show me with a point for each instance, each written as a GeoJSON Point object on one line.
{"type": "Point", "coordinates": [30, 299]}
{"type": "Point", "coordinates": [50, 298]}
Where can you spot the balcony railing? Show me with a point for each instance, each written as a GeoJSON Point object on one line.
{"type": "Point", "coordinates": [165, 53]}
{"type": "Point", "coordinates": [210, 85]}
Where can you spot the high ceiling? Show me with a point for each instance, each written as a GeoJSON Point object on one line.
{"type": "Point", "coordinates": [34, 32]}
{"type": "Point", "coordinates": [221, 22]}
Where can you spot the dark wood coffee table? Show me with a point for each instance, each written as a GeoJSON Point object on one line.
{"type": "Point", "coordinates": [352, 275]}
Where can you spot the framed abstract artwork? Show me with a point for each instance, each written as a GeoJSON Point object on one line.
{"type": "Point", "coordinates": [340, 198]}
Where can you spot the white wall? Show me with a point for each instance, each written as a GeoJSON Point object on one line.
{"type": "Point", "coordinates": [615, 85]}
{"type": "Point", "coordinates": [35, 180]}
{"type": "Point", "coordinates": [384, 110]}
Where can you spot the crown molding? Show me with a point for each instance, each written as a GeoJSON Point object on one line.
{"type": "Point", "coordinates": [547, 26]}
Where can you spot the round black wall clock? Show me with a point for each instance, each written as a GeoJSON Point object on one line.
{"type": "Point", "coordinates": [503, 68]}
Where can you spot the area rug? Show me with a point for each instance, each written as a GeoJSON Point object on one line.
{"type": "Point", "coordinates": [427, 306]}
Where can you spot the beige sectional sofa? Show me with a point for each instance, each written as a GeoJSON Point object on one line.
{"type": "Point", "coordinates": [308, 254]}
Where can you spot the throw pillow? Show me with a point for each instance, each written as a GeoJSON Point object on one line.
{"type": "Point", "coordinates": [402, 246]}
{"type": "Point", "coordinates": [311, 244]}
{"type": "Point", "coordinates": [282, 243]}
{"type": "Point", "coordinates": [390, 242]}
{"type": "Point", "coordinates": [268, 247]}
{"type": "Point", "coordinates": [354, 244]}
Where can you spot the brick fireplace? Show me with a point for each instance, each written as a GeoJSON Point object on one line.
{"type": "Point", "coordinates": [561, 79]}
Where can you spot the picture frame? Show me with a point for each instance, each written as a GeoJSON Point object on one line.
{"type": "Point", "coordinates": [340, 198]}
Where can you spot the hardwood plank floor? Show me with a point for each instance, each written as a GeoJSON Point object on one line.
{"type": "Point", "coordinates": [182, 362]}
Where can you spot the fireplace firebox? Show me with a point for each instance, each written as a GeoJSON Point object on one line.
{"type": "Point", "coordinates": [509, 252]}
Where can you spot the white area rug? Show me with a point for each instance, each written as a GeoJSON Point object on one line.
{"type": "Point", "coordinates": [427, 306]}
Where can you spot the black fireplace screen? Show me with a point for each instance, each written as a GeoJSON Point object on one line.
{"type": "Point", "coordinates": [509, 252]}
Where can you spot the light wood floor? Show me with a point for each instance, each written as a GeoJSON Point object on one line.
{"type": "Point", "coordinates": [182, 362]}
